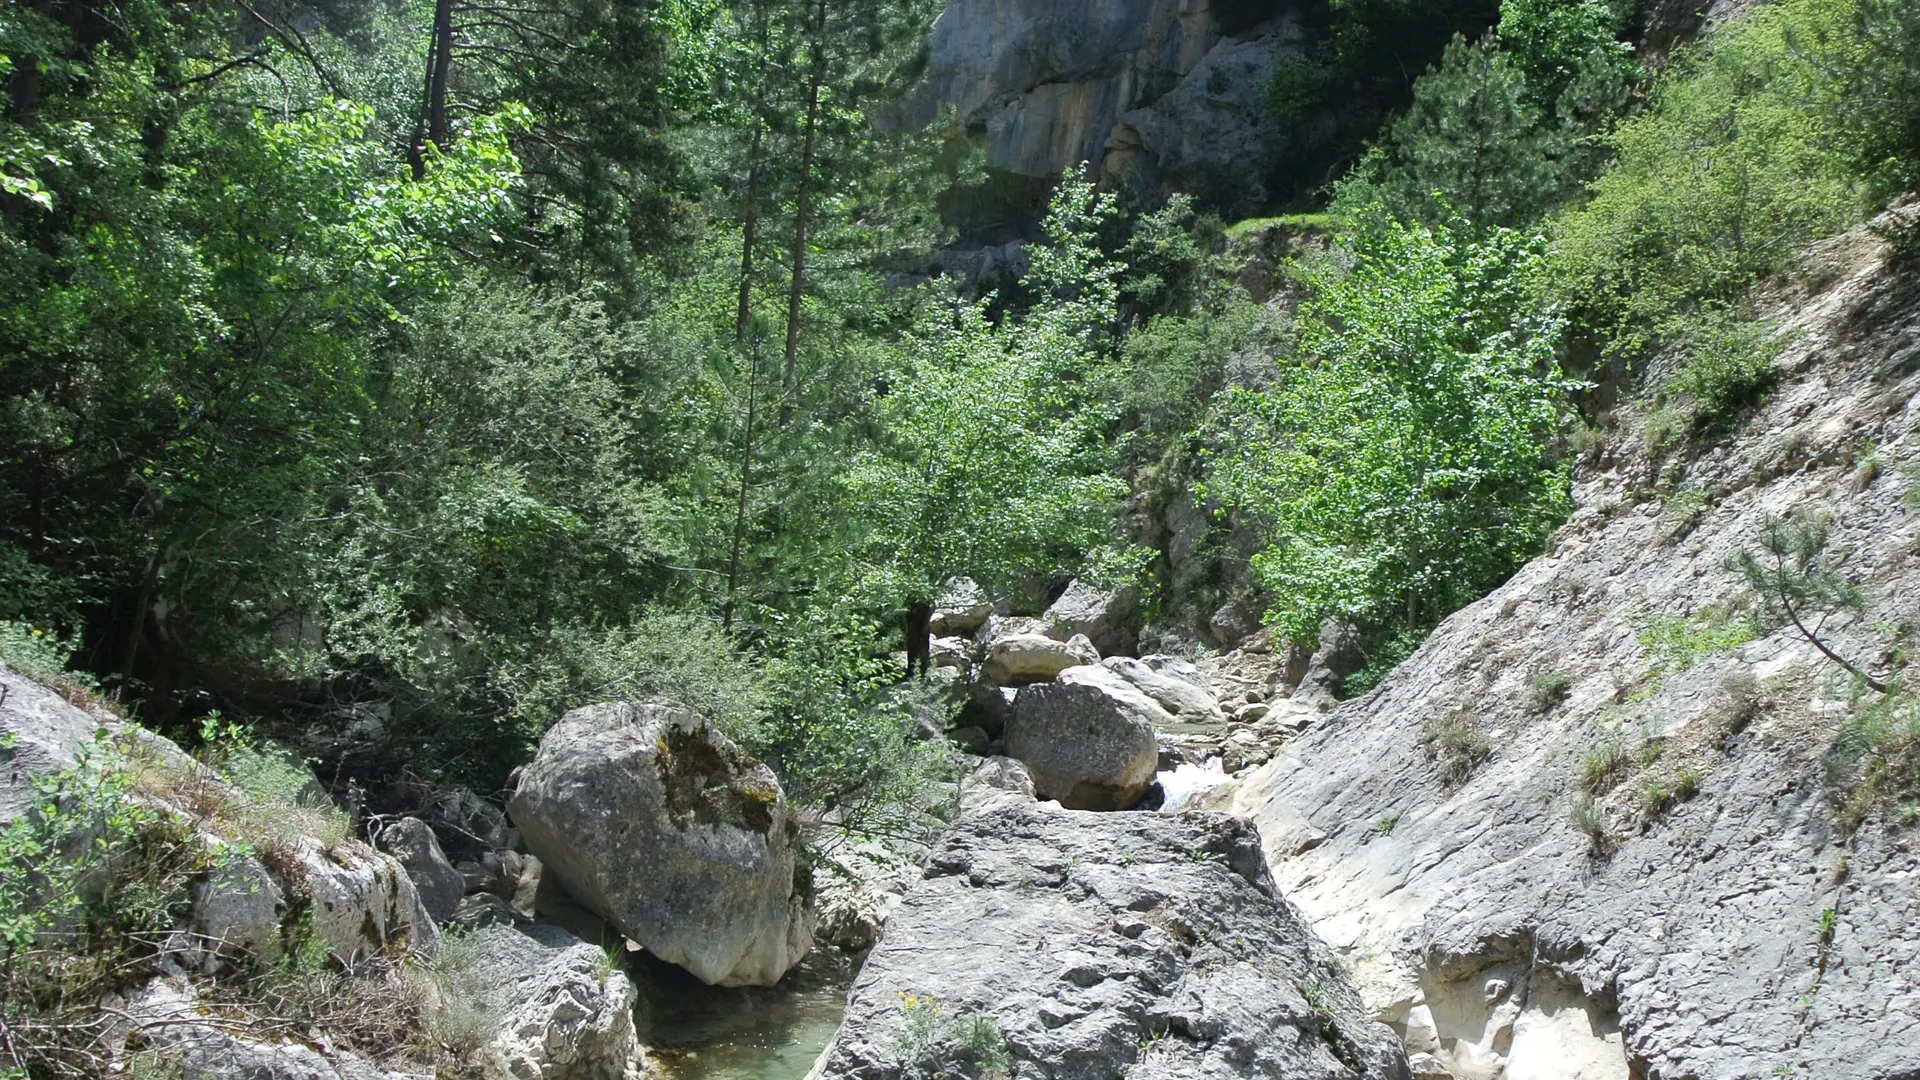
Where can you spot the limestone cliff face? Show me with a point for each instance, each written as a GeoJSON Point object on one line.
{"type": "Point", "coordinates": [1171, 90]}
{"type": "Point", "coordinates": [1724, 927]}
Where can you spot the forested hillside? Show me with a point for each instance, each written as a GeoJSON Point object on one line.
{"type": "Point", "coordinates": [474, 362]}
{"type": "Point", "coordinates": [386, 378]}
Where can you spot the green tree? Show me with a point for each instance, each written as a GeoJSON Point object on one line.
{"type": "Point", "coordinates": [991, 460]}
{"type": "Point", "coordinates": [1792, 582]}
{"type": "Point", "coordinates": [1739, 162]}
{"type": "Point", "coordinates": [1472, 144]}
{"type": "Point", "coordinates": [1401, 463]}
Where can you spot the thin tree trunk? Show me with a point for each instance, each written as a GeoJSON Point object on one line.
{"type": "Point", "coordinates": [139, 622]}
{"type": "Point", "coordinates": [746, 482]}
{"type": "Point", "coordinates": [751, 227]}
{"type": "Point", "coordinates": [797, 284]}
{"type": "Point", "coordinates": [417, 145]}
{"type": "Point", "coordinates": [442, 67]}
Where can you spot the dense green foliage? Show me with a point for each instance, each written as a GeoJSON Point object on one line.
{"type": "Point", "coordinates": [482, 360]}
{"type": "Point", "coordinates": [1737, 165]}
{"type": "Point", "coordinates": [994, 463]}
{"type": "Point", "coordinates": [1402, 462]}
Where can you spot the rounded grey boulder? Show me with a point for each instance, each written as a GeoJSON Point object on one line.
{"type": "Point", "coordinates": [663, 827]}
{"type": "Point", "coordinates": [1088, 740]}
{"type": "Point", "coordinates": [411, 841]}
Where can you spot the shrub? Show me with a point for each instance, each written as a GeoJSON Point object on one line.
{"type": "Point", "coordinates": [1174, 365]}
{"type": "Point", "coordinates": [1589, 818]}
{"type": "Point", "coordinates": [92, 880]}
{"type": "Point", "coordinates": [1604, 764]}
{"type": "Point", "coordinates": [1386, 656]}
{"type": "Point", "coordinates": [1874, 762]}
{"type": "Point", "coordinates": [1549, 689]}
{"type": "Point", "coordinates": [1726, 370]}
{"type": "Point", "coordinates": [1734, 168]}
{"type": "Point", "coordinates": [1457, 744]}
{"type": "Point", "coordinates": [1401, 461]}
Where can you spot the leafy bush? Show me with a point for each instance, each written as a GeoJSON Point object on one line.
{"type": "Point", "coordinates": [92, 879]}
{"type": "Point", "coordinates": [1874, 762]}
{"type": "Point", "coordinates": [1381, 661]}
{"type": "Point", "coordinates": [841, 734]}
{"type": "Point", "coordinates": [1726, 367]}
{"type": "Point", "coordinates": [41, 654]}
{"type": "Point", "coordinates": [1738, 164]}
{"type": "Point", "coordinates": [1174, 365]}
{"type": "Point", "coordinates": [1402, 462]}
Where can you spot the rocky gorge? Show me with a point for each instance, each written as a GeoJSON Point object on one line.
{"type": "Point", "coordinates": [1638, 803]}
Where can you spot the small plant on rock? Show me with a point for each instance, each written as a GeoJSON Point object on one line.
{"type": "Point", "coordinates": [1686, 782]}
{"type": "Point", "coordinates": [1874, 762]}
{"type": "Point", "coordinates": [1457, 744]}
{"type": "Point", "coordinates": [1590, 819]}
{"type": "Point", "coordinates": [1740, 701]}
{"type": "Point", "coordinates": [919, 1028]}
{"type": "Point", "coordinates": [1653, 798]}
{"type": "Point", "coordinates": [1793, 582]}
{"type": "Point", "coordinates": [980, 1037]}
{"type": "Point", "coordinates": [1549, 690]}
{"type": "Point", "coordinates": [1604, 765]}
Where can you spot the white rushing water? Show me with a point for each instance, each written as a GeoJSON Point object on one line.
{"type": "Point", "coordinates": [1186, 780]}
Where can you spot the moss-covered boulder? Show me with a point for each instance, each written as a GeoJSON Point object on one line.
{"type": "Point", "coordinates": [659, 824]}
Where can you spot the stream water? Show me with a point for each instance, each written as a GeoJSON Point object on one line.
{"type": "Point", "coordinates": [697, 1032]}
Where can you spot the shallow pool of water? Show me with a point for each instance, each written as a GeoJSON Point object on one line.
{"type": "Point", "coordinates": [697, 1032]}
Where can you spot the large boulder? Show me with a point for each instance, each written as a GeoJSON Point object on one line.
{"type": "Point", "coordinates": [1029, 658]}
{"type": "Point", "coordinates": [1341, 653]}
{"type": "Point", "coordinates": [42, 734]}
{"type": "Point", "coordinates": [1079, 946]}
{"type": "Point", "coordinates": [1088, 740]}
{"type": "Point", "coordinates": [237, 907]}
{"type": "Point", "coordinates": [659, 824]}
{"type": "Point", "coordinates": [553, 1005]}
{"type": "Point", "coordinates": [962, 607]}
{"type": "Point", "coordinates": [412, 842]}
{"type": "Point", "coordinates": [995, 781]}
{"type": "Point", "coordinates": [1105, 616]}
{"type": "Point", "coordinates": [1181, 690]}
{"type": "Point", "coordinates": [363, 902]}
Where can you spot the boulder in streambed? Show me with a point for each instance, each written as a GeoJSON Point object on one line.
{"type": "Point", "coordinates": [658, 823]}
{"type": "Point", "coordinates": [554, 1006]}
{"type": "Point", "coordinates": [1088, 739]}
{"type": "Point", "coordinates": [1186, 696]}
{"type": "Point", "coordinates": [1053, 944]}
{"type": "Point", "coordinates": [1017, 659]}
